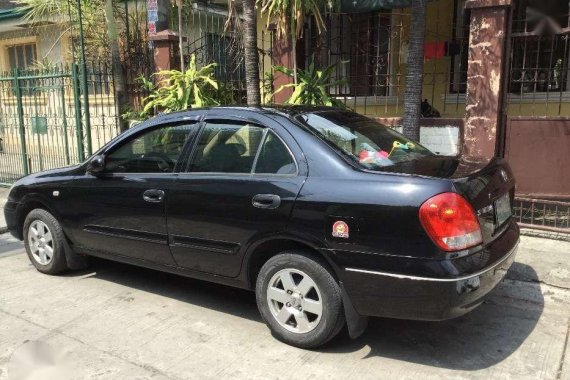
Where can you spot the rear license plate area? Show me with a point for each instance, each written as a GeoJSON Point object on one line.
{"type": "Point", "coordinates": [503, 209]}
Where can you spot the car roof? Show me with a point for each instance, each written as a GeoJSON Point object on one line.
{"type": "Point", "coordinates": [284, 110]}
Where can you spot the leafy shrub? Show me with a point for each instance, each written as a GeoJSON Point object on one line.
{"type": "Point", "coordinates": [312, 86]}
{"type": "Point", "coordinates": [178, 91]}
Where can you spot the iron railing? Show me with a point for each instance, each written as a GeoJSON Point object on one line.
{"type": "Point", "coordinates": [540, 58]}
{"type": "Point", "coordinates": [542, 214]}
{"type": "Point", "coordinates": [539, 61]}
{"type": "Point", "coordinates": [213, 35]}
{"type": "Point", "coordinates": [370, 52]}
{"type": "Point", "coordinates": [42, 118]}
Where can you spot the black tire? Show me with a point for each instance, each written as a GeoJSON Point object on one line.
{"type": "Point", "coordinates": [332, 318]}
{"type": "Point", "coordinates": [57, 263]}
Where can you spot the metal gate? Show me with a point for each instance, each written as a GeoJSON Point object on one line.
{"type": "Point", "coordinates": [40, 121]}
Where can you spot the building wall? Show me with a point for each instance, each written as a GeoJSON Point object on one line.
{"type": "Point", "coordinates": [437, 72]}
{"type": "Point", "coordinates": [537, 150]}
{"type": "Point", "coordinates": [50, 45]}
{"type": "Point", "coordinates": [442, 136]}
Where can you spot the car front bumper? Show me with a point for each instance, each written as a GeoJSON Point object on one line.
{"type": "Point", "coordinates": [10, 213]}
{"type": "Point", "coordinates": [402, 296]}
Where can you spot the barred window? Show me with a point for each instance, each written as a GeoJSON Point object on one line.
{"type": "Point", "coordinates": [540, 47]}
{"type": "Point", "coordinates": [362, 46]}
{"type": "Point", "coordinates": [22, 56]}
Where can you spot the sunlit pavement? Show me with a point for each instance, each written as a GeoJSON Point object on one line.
{"type": "Point", "coordinates": [120, 322]}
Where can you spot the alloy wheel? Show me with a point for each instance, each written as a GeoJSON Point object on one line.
{"type": "Point", "coordinates": [40, 240]}
{"type": "Point", "coordinates": [294, 300]}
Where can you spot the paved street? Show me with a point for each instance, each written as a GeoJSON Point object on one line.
{"type": "Point", "coordinates": [119, 322]}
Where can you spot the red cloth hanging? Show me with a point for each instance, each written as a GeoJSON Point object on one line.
{"type": "Point", "coordinates": [434, 50]}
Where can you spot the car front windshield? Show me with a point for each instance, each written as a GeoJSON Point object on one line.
{"type": "Point", "coordinates": [368, 143]}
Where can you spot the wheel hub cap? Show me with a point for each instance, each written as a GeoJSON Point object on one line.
{"type": "Point", "coordinates": [41, 242]}
{"type": "Point", "coordinates": [294, 300]}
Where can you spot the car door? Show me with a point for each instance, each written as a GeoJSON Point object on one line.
{"type": "Point", "coordinates": [240, 186]}
{"type": "Point", "coordinates": [121, 211]}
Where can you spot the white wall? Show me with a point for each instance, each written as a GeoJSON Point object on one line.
{"type": "Point", "coordinates": [442, 140]}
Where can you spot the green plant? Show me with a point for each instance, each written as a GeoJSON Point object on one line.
{"type": "Point", "coordinates": [289, 18]}
{"type": "Point", "coordinates": [44, 65]}
{"type": "Point", "coordinates": [65, 13]}
{"type": "Point", "coordinates": [312, 87]}
{"type": "Point", "coordinates": [225, 94]}
{"type": "Point", "coordinates": [177, 90]}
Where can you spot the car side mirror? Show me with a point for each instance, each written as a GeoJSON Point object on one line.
{"type": "Point", "coordinates": [96, 165]}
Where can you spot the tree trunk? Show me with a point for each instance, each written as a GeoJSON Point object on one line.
{"type": "Point", "coordinates": [121, 99]}
{"type": "Point", "coordinates": [415, 72]}
{"type": "Point", "coordinates": [294, 56]}
{"type": "Point", "coordinates": [180, 5]}
{"type": "Point", "coordinates": [251, 56]}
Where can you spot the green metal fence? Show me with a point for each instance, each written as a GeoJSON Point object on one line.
{"type": "Point", "coordinates": [42, 118]}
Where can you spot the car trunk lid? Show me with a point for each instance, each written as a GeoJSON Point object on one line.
{"type": "Point", "coordinates": [488, 184]}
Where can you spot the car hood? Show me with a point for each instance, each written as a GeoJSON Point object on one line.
{"type": "Point", "coordinates": [57, 172]}
{"type": "Point", "coordinates": [46, 174]}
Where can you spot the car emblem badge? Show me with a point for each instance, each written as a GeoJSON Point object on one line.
{"type": "Point", "coordinates": [340, 230]}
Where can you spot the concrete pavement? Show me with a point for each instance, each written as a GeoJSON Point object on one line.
{"type": "Point", "coordinates": [115, 321]}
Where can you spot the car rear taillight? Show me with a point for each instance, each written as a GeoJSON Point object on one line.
{"type": "Point", "coordinates": [450, 222]}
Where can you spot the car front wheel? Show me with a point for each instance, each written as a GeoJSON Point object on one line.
{"type": "Point", "coordinates": [44, 241]}
{"type": "Point", "coordinates": [299, 299]}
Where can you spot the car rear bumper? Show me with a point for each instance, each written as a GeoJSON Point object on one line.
{"type": "Point", "coordinates": [402, 296]}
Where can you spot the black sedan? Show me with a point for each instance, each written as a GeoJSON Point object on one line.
{"type": "Point", "coordinates": [327, 215]}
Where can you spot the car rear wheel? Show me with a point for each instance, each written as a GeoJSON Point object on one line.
{"type": "Point", "coordinates": [299, 300]}
{"type": "Point", "coordinates": [44, 241]}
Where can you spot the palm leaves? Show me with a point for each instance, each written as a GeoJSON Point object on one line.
{"type": "Point", "coordinates": [37, 10]}
{"type": "Point", "coordinates": [289, 17]}
{"type": "Point", "coordinates": [66, 14]}
{"type": "Point", "coordinates": [180, 90]}
{"type": "Point", "coordinates": [312, 87]}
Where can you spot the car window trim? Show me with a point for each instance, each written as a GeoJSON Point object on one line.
{"type": "Point", "coordinates": [288, 150]}
{"type": "Point", "coordinates": [237, 120]}
{"type": "Point", "coordinates": [176, 170]}
{"type": "Point", "coordinates": [124, 175]}
{"type": "Point", "coordinates": [149, 128]}
{"type": "Point", "coordinates": [219, 120]}
{"type": "Point", "coordinates": [221, 174]}
{"type": "Point", "coordinates": [188, 148]}
{"type": "Point", "coordinates": [259, 149]}
{"type": "Point", "coordinates": [349, 157]}
{"type": "Point", "coordinates": [275, 125]}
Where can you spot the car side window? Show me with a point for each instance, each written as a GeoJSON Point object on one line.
{"type": "Point", "coordinates": [155, 151]}
{"type": "Point", "coordinates": [227, 148]}
{"type": "Point", "coordinates": [274, 157]}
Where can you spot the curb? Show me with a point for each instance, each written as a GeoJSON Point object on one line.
{"type": "Point", "coordinates": [561, 236]}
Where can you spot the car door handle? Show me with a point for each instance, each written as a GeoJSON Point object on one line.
{"type": "Point", "coordinates": [269, 201]}
{"type": "Point", "coordinates": [153, 196]}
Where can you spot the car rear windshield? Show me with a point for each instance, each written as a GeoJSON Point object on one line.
{"type": "Point", "coordinates": [366, 142]}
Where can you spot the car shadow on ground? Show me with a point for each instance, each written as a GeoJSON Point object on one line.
{"type": "Point", "coordinates": [478, 340]}
{"type": "Point", "coordinates": [234, 301]}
